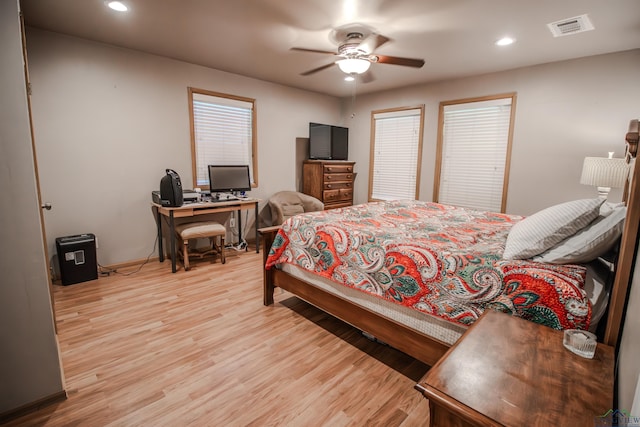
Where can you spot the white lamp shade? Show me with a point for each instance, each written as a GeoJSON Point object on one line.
{"type": "Point", "coordinates": [603, 172]}
{"type": "Point", "coordinates": [353, 65]}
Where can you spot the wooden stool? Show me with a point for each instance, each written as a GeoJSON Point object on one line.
{"type": "Point", "coordinates": [195, 230]}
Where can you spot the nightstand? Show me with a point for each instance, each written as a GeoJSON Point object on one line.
{"type": "Point", "coordinates": [511, 372]}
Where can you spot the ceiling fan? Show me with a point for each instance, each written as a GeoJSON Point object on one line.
{"type": "Point", "coordinates": [356, 52]}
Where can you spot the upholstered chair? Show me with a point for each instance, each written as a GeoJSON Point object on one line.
{"type": "Point", "coordinates": [286, 204]}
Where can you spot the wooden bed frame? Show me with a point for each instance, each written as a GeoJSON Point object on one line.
{"type": "Point", "coordinates": [426, 348]}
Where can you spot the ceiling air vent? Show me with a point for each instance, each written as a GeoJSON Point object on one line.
{"type": "Point", "coordinates": [569, 26]}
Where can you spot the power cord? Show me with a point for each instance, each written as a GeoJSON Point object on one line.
{"type": "Point", "coordinates": [108, 271]}
{"type": "Point", "coordinates": [242, 244]}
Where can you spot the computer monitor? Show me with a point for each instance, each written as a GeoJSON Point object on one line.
{"type": "Point", "coordinates": [229, 178]}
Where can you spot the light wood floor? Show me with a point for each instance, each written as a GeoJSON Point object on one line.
{"type": "Point", "coordinates": [199, 348]}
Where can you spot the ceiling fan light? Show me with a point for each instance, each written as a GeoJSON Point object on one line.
{"type": "Point", "coordinates": [353, 65]}
{"type": "Point", "coordinates": [117, 6]}
{"type": "Point", "coordinates": [505, 41]}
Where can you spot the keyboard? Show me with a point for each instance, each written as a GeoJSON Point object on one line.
{"type": "Point", "coordinates": [227, 196]}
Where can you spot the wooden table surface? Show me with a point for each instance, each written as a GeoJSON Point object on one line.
{"type": "Point", "coordinates": [196, 209]}
{"type": "Point", "coordinates": [509, 371]}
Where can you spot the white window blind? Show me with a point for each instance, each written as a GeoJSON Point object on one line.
{"type": "Point", "coordinates": [222, 133]}
{"type": "Point", "coordinates": [475, 140]}
{"type": "Point", "coordinates": [397, 139]}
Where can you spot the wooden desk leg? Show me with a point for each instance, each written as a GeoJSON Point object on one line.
{"type": "Point", "coordinates": [159, 220]}
{"type": "Point", "coordinates": [256, 225]}
{"type": "Point", "coordinates": [172, 231]}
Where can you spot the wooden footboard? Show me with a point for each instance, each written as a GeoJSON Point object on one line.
{"type": "Point", "coordinates": [397, 335]}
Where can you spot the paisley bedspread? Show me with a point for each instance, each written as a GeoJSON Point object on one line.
{"type": "Point", "coordinates": [441, 260]}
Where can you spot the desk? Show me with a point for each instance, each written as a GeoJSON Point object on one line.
{"type": "Point", "coordinates": [507, 371]}
{"type": "Point", "coordinates": [195, 209]}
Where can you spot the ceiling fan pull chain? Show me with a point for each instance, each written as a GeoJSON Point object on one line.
{"type": "Point", "coordinates": [353, 98]}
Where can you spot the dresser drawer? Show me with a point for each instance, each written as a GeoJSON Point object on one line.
{"type": "Point", "coordinates": [346, 194]}
{"type": "Point", "coordinates": [343, 194]}
{"type": "Point", "coordinates": [331, 196]}
{"type": "Point", "coordinates": [337, 185]}
{"type": "Point", "coordinates": [330, 177]}
{"type": "Point", "coordinates": [338, 169]}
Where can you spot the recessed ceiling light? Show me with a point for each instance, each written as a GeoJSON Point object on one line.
{"type": "Point", "coordinates": [505, 41]}
{"type": "Point", "coordinates": [117, 5]}
{"type": "Point", "coordinates": [349, 79]}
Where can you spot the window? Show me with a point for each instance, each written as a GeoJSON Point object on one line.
{"type": "Point", "coordinates": [396, 150]}
{"type": "Point", "coordinates": [222, 133]}
{"type": "Point", "coordinates": [474, 150]}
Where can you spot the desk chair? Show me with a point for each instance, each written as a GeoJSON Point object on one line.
{"type": "Point", "coordinates": [202, 229]}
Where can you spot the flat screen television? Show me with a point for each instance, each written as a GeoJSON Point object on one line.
{"type": "Point", "coordinates": [327, 142]}
{"type": "Point", "coordinates": [229, 178]}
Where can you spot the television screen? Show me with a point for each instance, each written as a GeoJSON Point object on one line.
{"type": "Point", "coordinates": [328, 142]}
{"type": "Point", "coordinates": [339, 143]}
{"type": "Point", "coordinates": [229, 178]}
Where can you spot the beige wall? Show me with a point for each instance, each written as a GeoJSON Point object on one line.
{"type": "Point", "coordinates": [565, 111]}
{"type": "Point", "coordinates": [109, 121]}
{"type": "Point", "coordinates": [29, 362]}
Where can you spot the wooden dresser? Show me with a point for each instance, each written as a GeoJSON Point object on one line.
{"type": "Point", "coordinates": [330, 181]}
{"type": "Point", "coordinates": [506, 371]}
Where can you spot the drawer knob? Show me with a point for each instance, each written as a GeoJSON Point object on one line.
{"type": "Point", "coordinates": [348, 176]}
{"type": "Point", "coordinates": [328, 185]}
{"type": "Point", "coordinates": [329, 169]}
{"type": "Point", "coordinates": [348, 184]}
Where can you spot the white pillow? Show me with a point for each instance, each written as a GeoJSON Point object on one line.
{"type": "Point", "coordinates": [608, 207]}
{"type": "Point", "coordinates": [589, 243]}
{"type": "Point", "coordinates": [544, 229]}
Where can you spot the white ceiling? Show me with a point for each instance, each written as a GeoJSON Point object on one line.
{"type": "Point", "coordinates": [254, 37]}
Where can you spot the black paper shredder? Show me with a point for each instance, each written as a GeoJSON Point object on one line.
{"type": "Point", "coordinates": [77, 258]}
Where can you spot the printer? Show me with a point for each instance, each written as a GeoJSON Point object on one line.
{"type": "Point", "coordinates": [190, 196]}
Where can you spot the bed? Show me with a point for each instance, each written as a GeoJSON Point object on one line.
{"type": "Point", "coordinates": [416, 274]}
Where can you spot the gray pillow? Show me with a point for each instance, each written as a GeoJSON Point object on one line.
{"type": "Point", "coordinates": [546, 228]}
{"type": "Point", "coordinates": [589, 243]}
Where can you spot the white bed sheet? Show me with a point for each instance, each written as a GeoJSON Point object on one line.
{"type": "Point", "coordinates": [597, 292]}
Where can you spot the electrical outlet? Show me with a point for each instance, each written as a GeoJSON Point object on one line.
{"type": "Point", "coordinates": [232, 221]}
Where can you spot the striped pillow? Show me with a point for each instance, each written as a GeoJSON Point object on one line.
{"type": "Point", "coordinates": [544, 229]}
{"type": "Point", "coordinates": [589, 243]}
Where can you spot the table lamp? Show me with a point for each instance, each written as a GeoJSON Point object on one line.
{"type": "Point", "coordinates": [604, 173]}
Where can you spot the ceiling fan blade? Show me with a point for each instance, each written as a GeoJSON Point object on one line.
{"type": "Point", "coordinates": [409, 62]}
{"type": "Point", "coordinates": [372, 42]}
{"type": "Point", "coordinates": [301, 49]}
{"type": "Point", "coordinates": [315, 70]}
